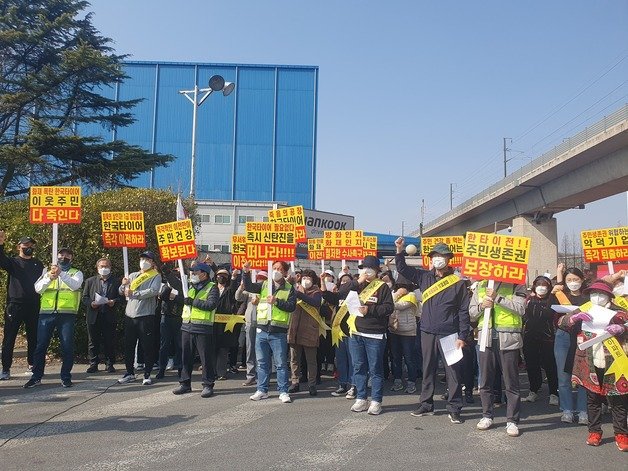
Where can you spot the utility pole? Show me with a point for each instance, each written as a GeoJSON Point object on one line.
{"type": "Point", "coordinates": [506, 159]}
{"type": "Point", "coordinates": [403, 226]}
{"type": "Point", "coordinates": [451, 196]}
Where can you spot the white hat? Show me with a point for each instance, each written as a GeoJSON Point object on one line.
{"type": "Point", "coordinates": [330, 273]}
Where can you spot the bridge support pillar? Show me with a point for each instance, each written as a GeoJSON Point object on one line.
{"type": "Point", "coordinates": [544, 248]}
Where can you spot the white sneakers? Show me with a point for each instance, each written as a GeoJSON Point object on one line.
{"type": "Point", "coordinates": [360, 405]}
{"type": "Point", "coordinates": [583, 418]}
{"type": "Point", "coordinates": [553, 400]}
{"type": "Point", "coordinates": [375, 408]}
{"type": "Point", "coordinates": [485, 423]}
{"type": "Point", "coordinates": [532, 397]}
{"type": "Point", "coordinates": [127, 378]}
{"type": "Point", "coordinates": [351, 393]}
{"type": "Point", "coordinates": [512, 430]}
{"type": "Point", "coordinates": [285, 398]}
{"type": "Point", "coordinates": [258, 396]}
{"type": "Point", "coordinates": [147, 381]}
{"type": "Point", "coordinates": [567, 417]}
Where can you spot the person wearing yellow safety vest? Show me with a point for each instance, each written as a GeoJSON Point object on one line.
{"type": "Point", "coordinates": [507, 306]}
{"type": "Point", "coordinates": [304, 330]}
{"type": "Point", "coordinates": [60, 290]}
{"type": "Point", "coordinates": [444, 312]}
{"type": "Point", "coordinates": [273, 317]}
{"type": "Point", "coordinates": [368, 334]}
{"type": "Point", "coordinates": [197, 330]}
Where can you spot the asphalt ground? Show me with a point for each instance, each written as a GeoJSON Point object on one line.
{"type": "Point", "coordinates": [100, 425]}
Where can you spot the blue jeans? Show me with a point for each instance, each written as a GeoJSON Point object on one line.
{"type": "Point", "coordinates": [403, 346]}
{"type": "Point", "coordinates": [368, 359]}
{"type": "Point", "coordinates": [565, 391]}
{"type": "Point", "coordinates": [170, 340]}
{"type": "Point", "coordinates": [275, 344]}
{"type": "Point", "coordinates": [344, 364]}
{"type": "Point", "coordinates": [65, 324]}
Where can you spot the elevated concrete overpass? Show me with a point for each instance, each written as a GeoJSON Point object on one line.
{"type": "Point", "coordinates": [587, 167]}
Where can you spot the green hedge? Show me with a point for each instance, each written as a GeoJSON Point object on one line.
{"type": "Point", "coordinates": [85, 239]}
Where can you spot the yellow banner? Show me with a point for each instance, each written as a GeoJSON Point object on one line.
{"type": "Point", "coordinates": [605, 245]}
{"type": "Point", "coordinates": [55, 204]}
{"type": "Point", "coordinates": [336, 332]}
{"type": "Point", "coordinates": [439, 286]}
{"type": "Point", "coordinates": [291, 214]}
{"type": "Point", "coordinates": [344, 245]}
{"type": "Point", "coordinates": [316, 249]}
{"type": "Point", "coordinates": [369, 246]}
{"type": "Point", "coordinates": [229, 319]}
{"type": "Point", "coordinates": [270, 233]}
{"type": "Point", "coordinates": [314, 314]}
{"type": "Point", "coordinates": [619, 368]}
{"type": "Point", "coordinates": [621, 302]}
{"type": "Point", "coordinates": [176, 240]}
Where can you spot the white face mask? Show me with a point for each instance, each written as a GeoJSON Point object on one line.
{"type": "Point", "coordinates": [599, 299]}
{"type": "Point", "coordinates": [277, 275]}
{"type": "Point", "coordinates": [370, 273]}
{"type": "Point", "coordinates": [306, 283]}
{"type": "Point", "coordinates": [361, 271]}
{"type": "Point", "coordinates": [195, 278]}
{"type": "Point", "coordinates": [574, 285]}
{"type": "Point", "coordinates": [145, 265]}
{"type": "Point", "coordinates": [104, 271]}
{"type": "Point", "coordinates": [439, 262]}
{"type": "Point", "coordinates": [541, 290]}
{"type": "Point", "coordinates": [618, 290]}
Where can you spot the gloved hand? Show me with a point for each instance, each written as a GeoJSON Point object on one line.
{"type": "Point", "coordinates": [615, 329]}
{"type": "Point", "coordinates": [581, 316]}
{"type": "Point", "coordinates": [188, 301]}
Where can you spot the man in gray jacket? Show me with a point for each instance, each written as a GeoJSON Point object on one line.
{"type": "Point", "coordinates": [141, 290]}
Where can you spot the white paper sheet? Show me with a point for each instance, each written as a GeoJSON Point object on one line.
{"type": "Point", "coordinates": [452, 354]}
{"type": "Point", "coordinates": [564, 309]}
{"type": "Point", "coordinates": [353, 303]}
{"type": "Point", "coordinates": [100, 300]}
{"type": "Point", "coordinates": [601, 318]}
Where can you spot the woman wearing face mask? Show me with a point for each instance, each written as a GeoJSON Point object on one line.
{"type": "Point", "coordinates": [538, 341]}
{"type": "Point", "coordinates": [591, 367]}
{"type": "Point", "coordinates": [225, 341]}
{"type": "Point", "coordinates": [568, 291]}
{"type": "Point", "coordinates": [304, 331]}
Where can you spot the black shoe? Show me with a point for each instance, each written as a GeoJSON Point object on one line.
{"type": "Point", "coordinates": [160, 374]}
{"type": "Point", "coordinates": [302, 379]}
{"type": "Point", "coordinates": [445, 397]}
{"type": "Point", "coordinates": [468, 398]}
{"type": "Point", "coordinates": [92, 369]}
{"type": "Point", "coordinates": [294, 387]}
{"type": "Point", "coordinates": [31, 383]}
{"type": "Point", "coordinates": [182, 389]}
{"type": "Point", "coordinates": [207, 391]}
{"type": "Point", "coordinates": [341, 391]}
{"type": "Point", "coordinates": [455, 418]}
{"type": "Point", "coordinates": [111, 369]}
{"type": "Point", "coordinates": [234, 370]}
{"type": "Point", "coordinates": [313, 391]}
{"type": "Point", "coordinates": [66, 383]}
{"type": "Point", "coordinates": [422, 410]}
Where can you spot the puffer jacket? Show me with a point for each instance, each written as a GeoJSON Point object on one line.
{"type": "Point", "coordinates": [403, 319]}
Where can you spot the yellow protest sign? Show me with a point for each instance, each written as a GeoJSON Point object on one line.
{"type": "Point", "coordinates": [123, 229]}
{"type": "Point", "coordinates": [605, 245]}
{"type": "Point", "coordinates": [176, 240]}
{"type": "Point", "coordinates": [369, 246]}
{"type": "Point", "coordinates": [291, 214]}
{"type": "Point", "coordinates": [55, 205]}
{"type": "Point", "coordinates": [270, 241]}
{"type": "Point", "coordinates": [455, 244]}
{"type": "Point", "coordinates": [344, 245]}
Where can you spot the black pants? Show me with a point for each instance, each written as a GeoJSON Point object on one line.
{"type": "Point", "coordinates": [491, 360]}
{"type": "Point", "coordinates": [14, 315]}
{"type": "Point", "coordinates": [142, 329]}
{"type": "Point", "coordinates": [539, 354]}
{"type": "Point", "coordinates": [204, 345]}
{"type": "Point", "coordinates": [103, 330]}
{"type": "Point", "coordinates": [468, 368]}
{"type": "Point", "coordinates": [618, 406]}
{"type": "Point", "coordinates": [430, 348]}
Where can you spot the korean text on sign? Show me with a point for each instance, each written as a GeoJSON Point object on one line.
{"type": "Point", "coordinates": [369, 246]}
{"type": "Point", "coordinates": [455, 244]}
{"type": "Point", "coordinates": [292, 214]}
{"type": "Point", "coordinates": [176, 240]}
{"type": "Point", "coordinates": [496, 257]}
{"type": "Point", "coordinates": [55, 204]}
{"type": "Point", "coordinates": [270, 241]}
{"type": "Point", "coordinates": [123, 229]}
{"type": "Point", "coordinates": [316, 249]}
{"type": "Point", "coordinates": [238, 254]}
{"type": "Point", "coordinates": [605, 245]}
{"type": "Point", "coordinates": [344, 245]}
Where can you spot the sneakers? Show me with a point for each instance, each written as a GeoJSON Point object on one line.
{"type": "Point", "coordinates": [567, 417]}
{"type": "Point", "coordinates": [92, 369]}
{"type": "Point", "coordinates": [258, 396]}
{"type": "Point", "coordinates": [532, 397]}
{"type": "Point", "coordinates": [147, 381]}
{"type": "Point", "coordinates": [621, 440]}
{"type": "Point", "coordinates": [127, 378]}
{"type": "Point", "coordinates": [512, 430]}
{"type": "Point", "coordinates": [5, 375]}
{"type": "Point", "coordinates": [160, 374]}
{"type": "Point", "coordinates": [553, 400]}
{"type": "Point", "coordinates": [422, 410]}
{"type": "Point", "coordinates": [352, 393]}
{"type": "Point", "coordinates": [583, 418]}
{"type": "Point", "coordinates": [249, 382]}
{"type": "Point", "coordinates": [411, 387]}
{"type": "Point", "coordinates": [294, 387]}
{"type": "Point", "coordinates": [207, 392]}
{"type": "Point", "coordinates": [455, 418]}
{"type": "Point", "coordinates": [375, 408]}
{"type": "Point", "coordinates": [182, 389]}
{"type": "Point", "coordinates": [397, 385]}
{"type": "Point", "coordinates": [31, 383]}
{"type": "Point", "coordinates": [285, 398]}
{"type": "Point", "coordinates": [29, 371]}
{"type": "Point", "coordinates": [341, 391]}
{"type": "Point", "coordinates": [485, 423]}
{"type": "Point", "coordinates": [594, 438]}
{"type": "Point", "coordinates": [139, 367]}
{"type": "Point", "coordinates": [67, 383]}
{"type": "Point", "coordinates": [111, 369]}
{"type": "Point", "coordinates": [170, 364]}
{"type": "Point", "coordinates": [360, 405]}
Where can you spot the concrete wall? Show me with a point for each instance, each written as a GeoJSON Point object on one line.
{"type": "Point", "coordinates": [544, 244]}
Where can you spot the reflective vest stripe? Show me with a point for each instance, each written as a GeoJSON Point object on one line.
{"type": "Point", "coordinates": [194, 315]}
{"type": "Point", "coordinates": [59, 298]}
{"type": "Point", "coordinates": [505, 319]}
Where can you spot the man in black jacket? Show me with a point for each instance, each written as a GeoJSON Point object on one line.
{"type": "Point", "coordinates": [100, 295]}
{"type": "Point", "coordinates": [445, 312]}
{"type": "Point", "coordinates": [22, 301]}
{"type": "Point", "coordinates": [172, 297]}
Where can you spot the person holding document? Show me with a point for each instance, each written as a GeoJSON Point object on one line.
{"type": "Point", "coordinates": [445, 312]}
{"type": "Point", "coordinates": [506, 304]}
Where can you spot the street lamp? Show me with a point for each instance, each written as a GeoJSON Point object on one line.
{"type": "Point", "coordinates": [503, 226]}
{"type": "Point", "coordinates": [216, 84]}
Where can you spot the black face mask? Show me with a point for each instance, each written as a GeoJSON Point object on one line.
{"type": "Point", "coordinates": [28, 251]}
{"type": "Point", "coordinates": [222, 279]}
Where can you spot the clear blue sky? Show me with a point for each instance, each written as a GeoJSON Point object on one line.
{"type": "Point", "coordinates": [413, 95]}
